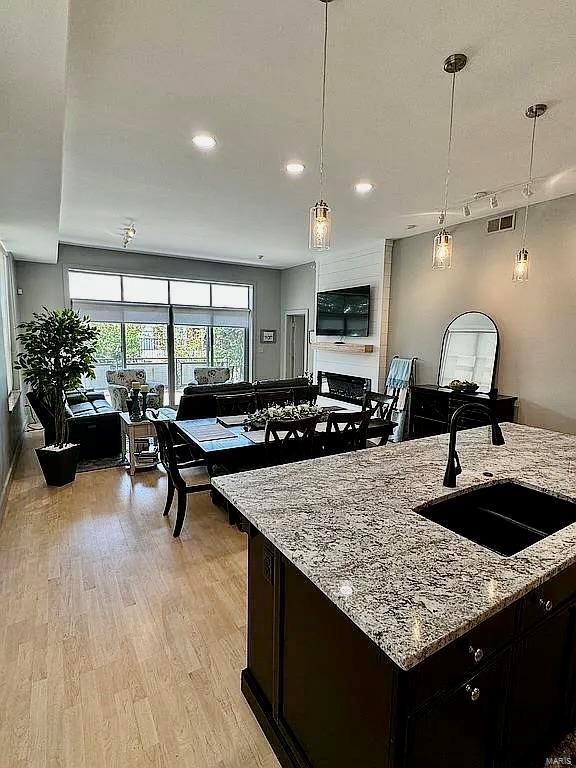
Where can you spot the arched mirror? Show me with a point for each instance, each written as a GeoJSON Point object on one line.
{"type": "Point", "coordinates": [470, 351]}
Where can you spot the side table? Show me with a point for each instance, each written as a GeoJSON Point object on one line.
{"type": "Point", "coordinates": [134, 432]}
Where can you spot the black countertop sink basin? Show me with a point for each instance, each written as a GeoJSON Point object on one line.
{"type": "Point", "coordinates": [506, 517]}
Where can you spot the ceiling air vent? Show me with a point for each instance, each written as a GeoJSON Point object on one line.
{"type": "Point", "coordinates": [502, 223]}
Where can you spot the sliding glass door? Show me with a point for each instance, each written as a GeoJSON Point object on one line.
{"type": "Point", "coordinates": [191, 350]}
{"type": "Point", "coordinates": [109, 354]}
{"type": "Point", "coordinates": [208, 346]}
{"type": "Point", "coordinates": [230, 350]}
{"type": "Point", "coordinates": [147, 347]}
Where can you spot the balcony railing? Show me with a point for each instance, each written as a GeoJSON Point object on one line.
{"type": "Point", "coordinates": [157, 371]}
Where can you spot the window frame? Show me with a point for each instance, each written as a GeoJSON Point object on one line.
{"type": "Point", "coordinates": [249, 343]}
{"type": "Point", "coordinates": [8, 314]}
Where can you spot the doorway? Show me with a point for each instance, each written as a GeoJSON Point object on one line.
{"type": "Point", "coordinates": [296, 350]}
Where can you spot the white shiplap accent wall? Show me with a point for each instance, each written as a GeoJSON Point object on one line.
{"type": "Point", "coordinates": [369, 267]}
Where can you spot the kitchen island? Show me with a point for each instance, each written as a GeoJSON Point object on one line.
{"type": "Point", "coordinates": [377, 637]}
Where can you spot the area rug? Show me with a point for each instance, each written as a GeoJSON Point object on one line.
{"type": "Point", "coordinates": [107, 463]}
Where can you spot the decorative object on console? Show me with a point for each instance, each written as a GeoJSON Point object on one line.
{"type": "Point", "coordinates": [442, 253]}
{"type": "Point", "coordinates": [320, 213]}
{"type": "Point", "coordinates": [135, 412]}
{"type": "Point", "coordinates": [462, 386]}
{"type": "Point", "coordinates": [267, 337]}
{"type": "Point", "coordinates": [522, 258]}
{"type": "Point", "coordinates": [259, 419]}
{"type": "Point", "coordinates": [144, 389]}
{"type": "Point", "coordinates": [469, 352]}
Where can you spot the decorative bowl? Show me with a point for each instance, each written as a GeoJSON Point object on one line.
{"type": "Point", "coordinates": [463, 386]}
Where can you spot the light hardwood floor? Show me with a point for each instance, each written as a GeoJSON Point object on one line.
{"type": "Point", "coordinates": [119, 645]}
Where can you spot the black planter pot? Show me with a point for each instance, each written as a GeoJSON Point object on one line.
{"type": "Point", "coordinates": [59, 467]}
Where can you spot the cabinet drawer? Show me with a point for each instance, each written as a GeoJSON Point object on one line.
{"type": "Point", "coordinates": [462, 729]}
{"type": "Point", "coordinates": [553, 593]}
{"type": "Point", "coordinates": [462, 658]}
{"type": "Point", "coordinates": [146, 429]}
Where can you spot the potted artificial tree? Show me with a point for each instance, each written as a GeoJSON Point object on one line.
{"type": "Point", "coordinates": [58, 348]}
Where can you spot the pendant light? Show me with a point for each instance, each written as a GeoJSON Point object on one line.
{"type": "Point", "coordinates": [320, 213]}
{"type": "Point", "coordinates": [522, 258]}
{"type": "Point", "coordinates": [442, 252]}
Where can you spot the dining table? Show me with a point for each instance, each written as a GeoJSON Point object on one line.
{"type": "Point", "coordinates": [224, 442]}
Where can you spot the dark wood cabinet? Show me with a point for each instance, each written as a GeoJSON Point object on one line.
{"type": "Point", "coordinates": [500, 696]}
{"type": "Point", "coordinates": [463, 727]}
{"type": "Point", "coordinates": [540, 689]}
{"type": "Point", "coordinates": [261, 560]}
{"type": "Point", "coordinates": [335, 685]}
{"type": "Point", "coordinates": [431, 408]}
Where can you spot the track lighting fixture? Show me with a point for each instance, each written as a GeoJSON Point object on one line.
{"type": "Point", "coordinates": [129, 235]}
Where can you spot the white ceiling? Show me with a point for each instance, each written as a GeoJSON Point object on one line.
{"type": "Point", "coordinates": [145, 75]}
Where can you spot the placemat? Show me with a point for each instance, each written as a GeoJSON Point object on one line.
{"type": "Point", "coordinates": [211, 432]}
{"type": "Point", "coordinates": [255, 437]}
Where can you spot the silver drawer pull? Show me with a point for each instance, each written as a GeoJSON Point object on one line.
{"type": "Point", "coordinates": [546, 604]}
{"type": "Point", "coordinates": [474, 693]}
{"type": "Point", "coordinates": [477, 653]}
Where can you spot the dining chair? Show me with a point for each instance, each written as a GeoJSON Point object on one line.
{"type": "Point", "coordinates": [175, 457]}
{"type": "Point", "coordinates": [287, 440]}
{"type": "Point", "coordinates": [235, 404]}
{"type": "Point", "coordinates": [307, 394]}
{"type": "Point", "coordinates": [380, 407]}
{"type": "Point", "coordinates": [268, 398]}
{"type": "Point", "coordinates": [346, 431]}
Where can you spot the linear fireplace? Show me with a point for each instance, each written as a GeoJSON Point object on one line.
{"type": "Point", "coordinates": [339, 386]}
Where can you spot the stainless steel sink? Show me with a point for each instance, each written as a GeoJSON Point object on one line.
{"type": "Point", "coordinates": [506, 517]}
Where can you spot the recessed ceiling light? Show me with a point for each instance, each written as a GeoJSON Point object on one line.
{"type": "Point", "coordinates": [364, 187]}
{"type": "Point", "coordinates": [204, 141]}
{"type": "Point", "coordinates": [295, 169]}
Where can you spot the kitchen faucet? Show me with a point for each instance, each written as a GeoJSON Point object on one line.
{"type": "Point", "coordinates": [454, 467]}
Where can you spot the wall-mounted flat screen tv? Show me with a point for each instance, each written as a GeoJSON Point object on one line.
{"type": "Point", "coordinates": [344, 312]}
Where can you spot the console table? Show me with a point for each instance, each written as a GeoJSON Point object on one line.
{"type": "Point", "coordinates": [432, 407]}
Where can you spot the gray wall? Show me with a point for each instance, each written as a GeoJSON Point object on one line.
{"type": "Point", "coordinates": [537, 320]}
{"type": "Point", "coordinates": [298, 292]}
{"type": "Point", "coordinates": [44, 284]}
{"type": "Point", "coordinates": [11, 426]}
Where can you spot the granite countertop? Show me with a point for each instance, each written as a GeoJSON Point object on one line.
{"type": "Point", "coordinates": [348, 523]}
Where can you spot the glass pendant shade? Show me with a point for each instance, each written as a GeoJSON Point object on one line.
{"type": "Point", "coordinates": [442, 253]}
{"type": "Point", "coordinates": [320, 227]}
{"type": "Point", "coordinates": [521, 266]}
